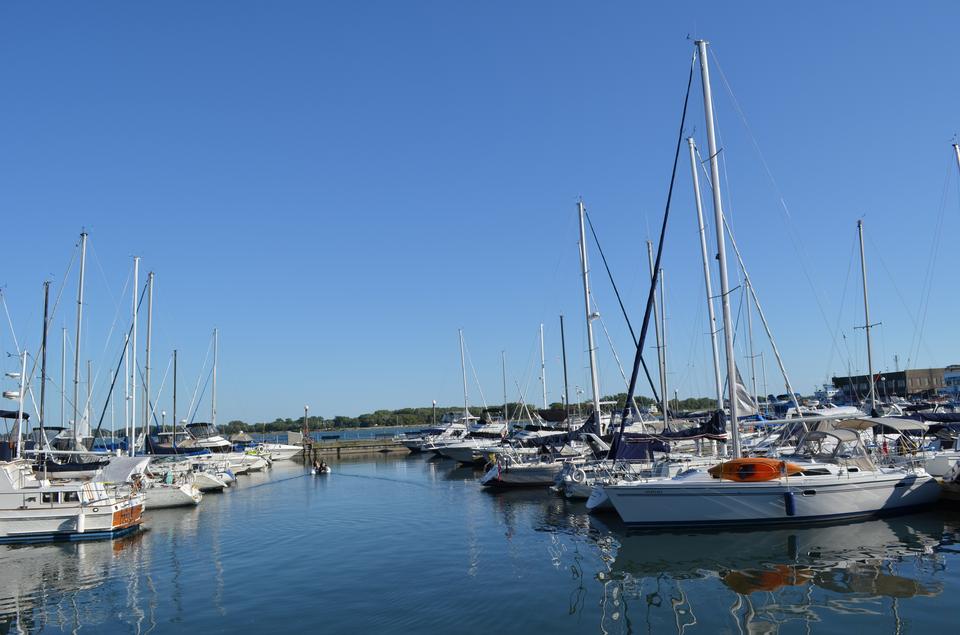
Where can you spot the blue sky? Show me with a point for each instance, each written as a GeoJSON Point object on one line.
{"type": "Point", "coordinates": [340, 186]}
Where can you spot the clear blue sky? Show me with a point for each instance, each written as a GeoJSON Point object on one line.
{"type": "Point", "coordinates": [339, 186]}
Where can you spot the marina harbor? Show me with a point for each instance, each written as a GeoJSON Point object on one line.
{"type": "Point", "coordinates": [420, 317]}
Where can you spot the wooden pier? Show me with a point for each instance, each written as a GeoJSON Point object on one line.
{"type": "Point", "coordinates": [341, 447]}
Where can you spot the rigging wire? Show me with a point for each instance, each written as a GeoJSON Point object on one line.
{"type": "Point", "coordinates": [476, 379]}
{"type": "Point", "coordinates": [791, 231]}
{"type": "Point", "coordinates": [926, 288]}
{"type": "Point", "coordinates": [638, 357]}
{"type": "Point", "coordinates": [623, 309]}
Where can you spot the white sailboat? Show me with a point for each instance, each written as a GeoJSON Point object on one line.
{"type": "Point", "coordinates": [830, 477]}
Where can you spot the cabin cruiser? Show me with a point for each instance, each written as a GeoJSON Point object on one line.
{"type": "Point", "coordinates": [830, 477]}
{"type": "Point", "coordinates": [36, 509]}
{"type": "Point", "coordinates": [480, 435]}
{"type": "Point", "coordinates": [453, 427]}
{"type": "Point", "coordinates": [280, 451]}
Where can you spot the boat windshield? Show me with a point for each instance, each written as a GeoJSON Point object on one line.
{"type": "Point", "coordinates": [842, 447]}
{"type": "Point", "coordinates": [202, 430]}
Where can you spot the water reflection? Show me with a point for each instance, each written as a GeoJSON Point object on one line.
{"type": "Point", "coordinates": [762, 580]}
{"type": "Point", "coordinates": [39, 584]}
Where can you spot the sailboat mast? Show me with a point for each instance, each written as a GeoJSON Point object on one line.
{"type": "Point", "coordinates": [956, 150]}
{"type": "Point", "coordinates": [63, 378]}
{"type": "Point", "coordinates": [20, 395]}
{"type": "Point", "coordinates": [663, 347]}
{"type": "Point", "coordinates": [126, 391]}
{"type": "Point", "coordinates": [213, 394]}
{"type": "Point", "coordinates": [753, 357]}
{"type": "Point", "coordinates": [660, 361]}
{"type": "Point", "coordinates": [43, 356]}
{"type": "Point", "coordinates": [721, 246]}
{"type": "Point", "coordinates": [594, 383]}
{"type": "Point", "coordinates": [174, 393]}
{"type": "Point", "coordinates": [463, 373]}
{"type": "Point", "coordinates": [503, 371]}
{"type": "Point", "coordinates": [133, 359]}
{"type": "Point", "coordinates": [76, 355]}
{"type": "Point", "coordinates": [146, 366]}
{"type": "Point", "coordinates": [566, 383]}
{"type": "Point", "coordinates": [711, 314]}
{"type": "Point", "coordinates": [543, 369]}
{"type": "Point", "coordinates": [866, 317]}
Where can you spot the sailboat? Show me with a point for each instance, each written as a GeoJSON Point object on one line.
{"type": "Point", "coordinates": [830, 475]}
{"type": "Point", "coordinates": [543, 466]}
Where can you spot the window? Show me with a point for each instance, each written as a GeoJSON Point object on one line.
{"type": "Point", "coordinates": [51, 497]}
{"type": "Point", "coordinates": [71, 497]}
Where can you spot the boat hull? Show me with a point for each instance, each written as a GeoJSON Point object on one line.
{"type": "Point", "coordinates": [166, 496]}
{"type": "Point", "coordinates": [522, 475]}
{"type": "Point", "coordinates": [93, 522]}
{"type": "Point", "coordinates": [674, 502]}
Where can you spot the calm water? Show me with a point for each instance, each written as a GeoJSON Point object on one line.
{"type": "Point", "coordinates": [401, 545]}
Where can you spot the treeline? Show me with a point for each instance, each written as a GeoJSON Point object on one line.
{"type": "Point", "coordinates": [422, 417]}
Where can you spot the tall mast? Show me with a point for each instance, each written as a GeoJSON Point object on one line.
{"type": "Point", "coordinates": [20, 395]}
{"type": "Point", "coordinates": [76, 355]}
{"type": "Point", "coordinates": [566, 384]}
{"type": "Point", "coordinates": [661, 362]}
{"type": "Point", "coordinates": [721, 247]}
{"type": "Point", "coordinates": [866, 317]}
{"type": "Point", "coordinates": [146, 366]}
{"type": "Point", "coordinates": [43, 356]}
{"type": "Point", "coordinates": [956, 150]}
{"type": "Point", "coordinates": [663, 348]}
{"type": "Point", "coordinates": [63, 378]}
{"type": "Point", "coordinates": [543, 369]}
{"type": "Point", "coordinates": [503, 370]}
{"type": "Point", "coordinates": [126, 391]}
{"type": "Point", "coordinates": [753, 358]}
{"type": "Point", "coordinates": [86, 404]}
{"type": "Point", "coordinates": [711, 315]}
{"type": "Point", "coordinates": [213, 395]}
{"type": "Point", "coordinates": [174, 393]}
{"type": "Point", "coordinates": [594, 383]}
{"type": "Point", "coordinates": [133, 359]}
{"type": "Point", "coordinates": [463, 372]}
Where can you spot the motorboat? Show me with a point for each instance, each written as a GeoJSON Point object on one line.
{"type": "Point", "coordinates": [281, 451]}
{"type": "Point", "coordinates": [34, 509]}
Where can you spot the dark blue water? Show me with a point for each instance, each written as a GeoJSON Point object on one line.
{"type": "Point", "coordinates": [401, 545]}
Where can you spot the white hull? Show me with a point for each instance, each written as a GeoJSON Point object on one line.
{"type": "Point", "coordinates": [208, 482]}
{"type": "Point", "coordinates": [698, 499]}
{"type": "Point", "coordinates": [522, 475]}
{"type": "Point", "coordinates": [33, 510]}
{"type": "Point", "coordinates": [281, 451]}
{"type": "Point", "coordinates": [161, 496]}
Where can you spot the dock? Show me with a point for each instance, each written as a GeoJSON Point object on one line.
{"type": "Point", "coordinates": [340, 447]}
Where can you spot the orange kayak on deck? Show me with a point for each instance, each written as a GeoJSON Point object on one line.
{"type": "Point", "coordinates": [754, 470]}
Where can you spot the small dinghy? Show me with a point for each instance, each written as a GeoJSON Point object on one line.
{"type": "Point", "coordinates": [320, 471]}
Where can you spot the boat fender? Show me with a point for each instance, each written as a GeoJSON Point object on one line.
{"type": "Point", "coordinates": [579, 476]}
{"type": "Point", "coordinates": [789, 504]}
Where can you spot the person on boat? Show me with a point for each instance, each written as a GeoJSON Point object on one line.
{"type": "Point", "coordinates": [316, 465]}
{"type": "Point", "coordinates": [323, 466]}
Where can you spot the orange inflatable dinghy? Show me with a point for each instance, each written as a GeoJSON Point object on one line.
{"type": "Point", "coordinates": [754, 470]}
